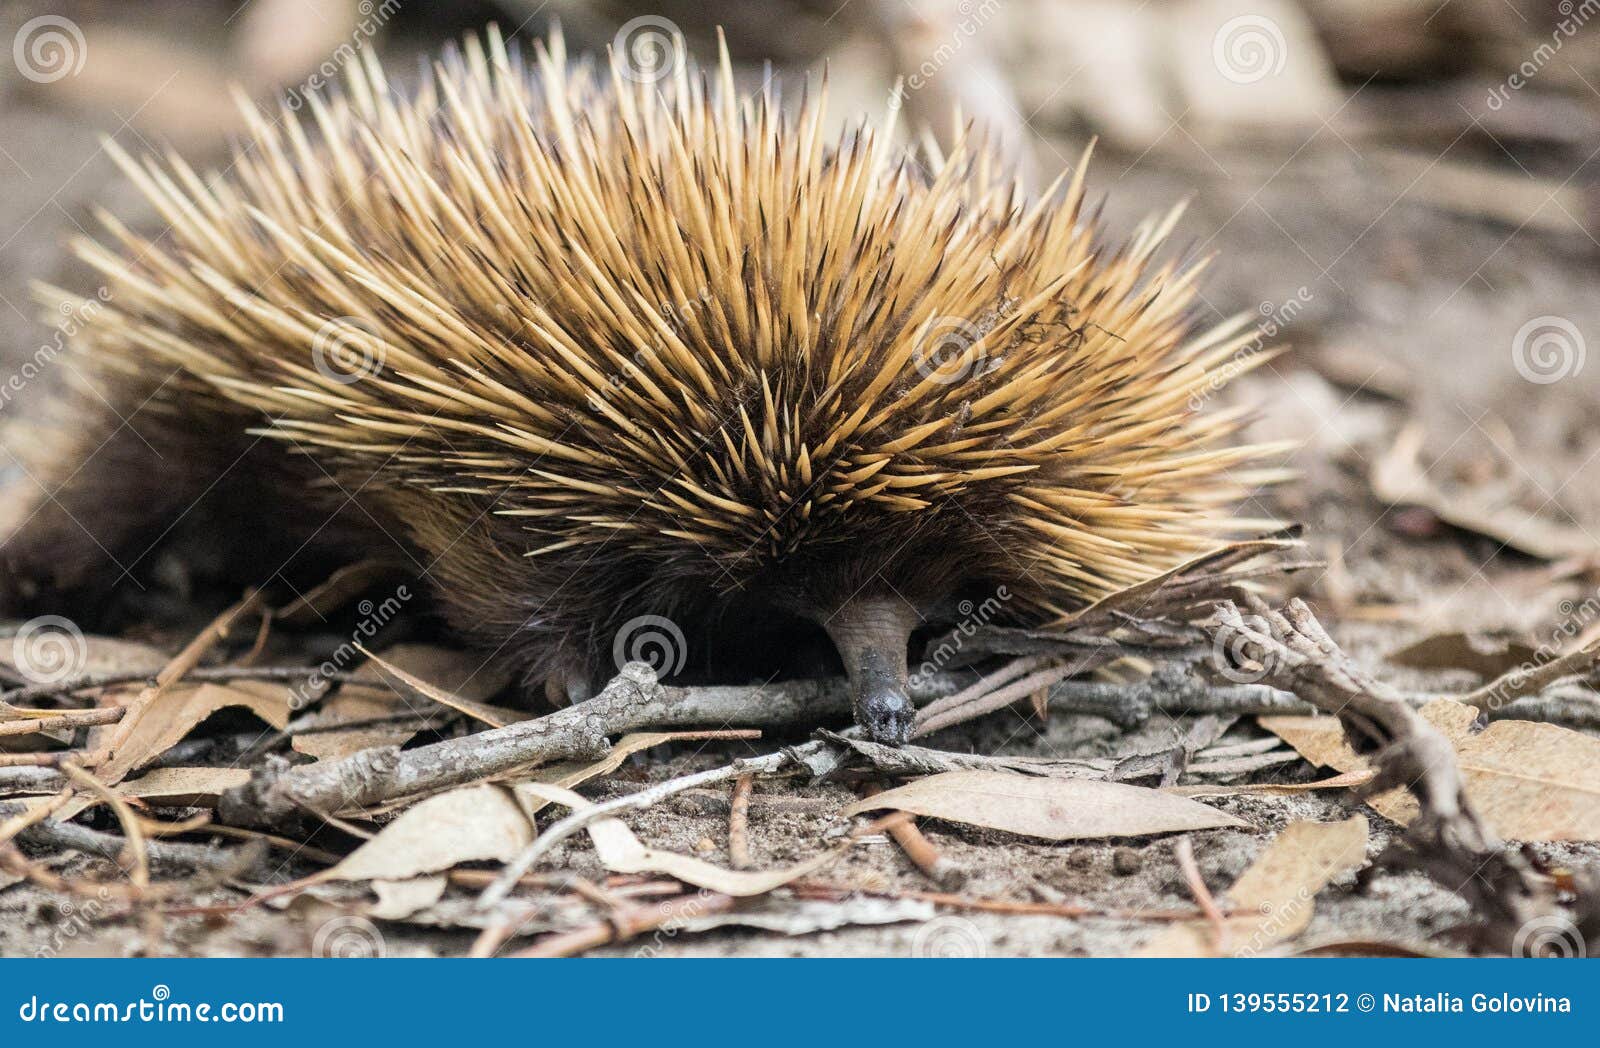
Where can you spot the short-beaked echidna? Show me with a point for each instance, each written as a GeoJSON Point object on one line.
{"type": "Point", "coordinates": [587, 347]}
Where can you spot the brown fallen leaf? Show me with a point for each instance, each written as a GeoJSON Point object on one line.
{"type": "Point", "coordinates": [1052, 809]}
{"type": "Point", "coordinates": [494, 716]}
{"type": "Point", "coordinates": [1398, 479]}
{"type": "Point", "coordinates": [1342, 781]}
{"type": "Point", "coordinates": [457, 672]}
{"type": "Point", "coordinates": [1529, 781]}
{"type": "Point", "coordinates": [180, 710]}
{"type": "Point", "coordinates": [398, 900]}
{"type": "Point", "coordinates": [484, 822]}
{"type": "Point", "coordinates": [85, 654]}
{"type": "Point", "coordinates": [173, 787]}
{"type": "Point", "coordinates": [1272, 900]}
{"type": "Point", "coordinates": [1488, 657]}
{"type": "Point", "coordinates": [621, 852]}
{"type": "Point", "coordinates": [469, 824]}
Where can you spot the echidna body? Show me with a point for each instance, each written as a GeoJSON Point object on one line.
{"type": "Point", "coordinates": [583, 349]}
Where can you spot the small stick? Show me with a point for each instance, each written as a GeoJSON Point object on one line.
{"type": "Point", "coordinates": [628, 924]}
{"type": "Point", "coordinates": [918, 848]}
{"type": "Point", "coordinates": [566, 827]}
{"type": "Point", "coordinates": [815, 889]}
{"type": "Point", "coordinates": [739, 822]}
{"type": "Point", "coordinates": [986, 685]}
{"type": "Point", "coordinates": [90, 681]}
{"type": "Point", "coordinates": [1184, 851]}
{"type": "Point", "coordinates": [69, 719]}
{"type": "Point", "coordinates": [49, 760]}
{"type": "Point", "coordinates": [998, 699]}
{"type": "Point", "coordinates": [38, 813]}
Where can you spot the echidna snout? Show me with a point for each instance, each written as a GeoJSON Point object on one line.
{"type": "Point", "coordinates": [872, 633]}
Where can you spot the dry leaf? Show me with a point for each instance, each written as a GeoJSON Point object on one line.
{"type": "Point", "coordinates": [1488, 657]}
{"type": "Point", "coordinates": [1272, 900]}
{"type": "Point", "coordinates": [180, 709]}
{"type": "Point", "coordinates": [465, 825]}
{"type": "Point", "coordinates": [398, 900]}
{"type": "Point", "coordinates": [493, 716]}
{"type": "Point", "coordinates": [1399, 479]}
{"type": "Point", "coordinates": [621, 852]}
{"type": "Point", "coordinates": [1344, 780]}
{"type": "Point", "coordinates": [95, 655]}
{"type": "Point", "coordinates": [172, 787]}
{"type": "Point", "coordinates": [457, 672]}
{"type": "Point", "coordinates": [1529, 781]}
{"type": "Point", "coordinates": [1054, 809]}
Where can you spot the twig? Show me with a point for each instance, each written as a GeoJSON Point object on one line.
{"type": "Point", "coordinates": [571, 824]}
{"type": "Point", "coordinates": [998, 699]}
{"type": "Point", "coordinates": [919, 849]}
{"type": "Point", "coordinates": [206, 674]}
{"type": "Point", "coordinates": [628, 924]}
{"type": "Point", "coordinates": [1447, 840]}
{"type": "Point", "coordinates": [1526, 680]}
{"type": "Point", "coordinates": [1183, 850]}
{"type": "Point", "coordinates": [739, 822]}
{"type": "Point", "coordinates": [820, 890]}
{"type": "Point", "coordinates": [634, 700]}
{"type": "Point", "coordinates": [56, 722]}
{"type": "Point", "coordinates": [58, 835]}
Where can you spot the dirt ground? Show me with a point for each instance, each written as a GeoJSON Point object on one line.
{"type": "Point", "coordinates": [1422, 300]}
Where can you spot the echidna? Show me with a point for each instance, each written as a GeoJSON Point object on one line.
{"type": "Point", "coordinates": [588, 347]}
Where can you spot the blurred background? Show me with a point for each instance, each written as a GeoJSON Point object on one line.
{"type": "Point", "coordinates": [1406, 192]}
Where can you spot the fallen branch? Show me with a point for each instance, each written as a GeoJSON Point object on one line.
{"type": "Point", "coordinates": [1448, 840]}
